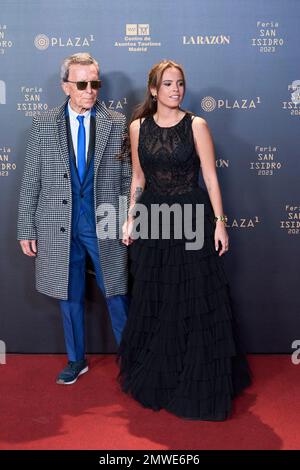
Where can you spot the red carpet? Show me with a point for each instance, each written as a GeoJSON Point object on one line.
{"type": "Point", "coordinates": [94, 414]}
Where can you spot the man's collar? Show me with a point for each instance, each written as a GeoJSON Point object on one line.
{"type": "Point", "coordinates": [73, 114]}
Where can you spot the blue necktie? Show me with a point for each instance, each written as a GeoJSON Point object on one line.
{"type": "Point", "coordinates": [81, 149]}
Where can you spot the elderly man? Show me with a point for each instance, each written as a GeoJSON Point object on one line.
{"type": "Point", "coordinates": [74, 164]}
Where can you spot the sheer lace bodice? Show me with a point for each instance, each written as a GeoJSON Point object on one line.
{"type": "Point", "coordinates": [168, 156]}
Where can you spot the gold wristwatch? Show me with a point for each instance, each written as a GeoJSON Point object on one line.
{"type": "Point", "coordinates": [222, 218]}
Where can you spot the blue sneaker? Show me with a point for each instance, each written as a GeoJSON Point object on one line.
{"type": "Point", "coordinates": [71, 372]}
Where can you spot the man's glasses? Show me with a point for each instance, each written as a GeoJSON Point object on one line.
{"type": "Point", "coordinates": [95, 84]}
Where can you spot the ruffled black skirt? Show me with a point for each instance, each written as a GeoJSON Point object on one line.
{"type": "Point", "coordinates": [180, 348]}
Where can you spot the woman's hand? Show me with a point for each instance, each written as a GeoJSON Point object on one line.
{"type": "Point", "coordinates": [127, 228]}
{"type": "Point", "coordinates": [221, 237]}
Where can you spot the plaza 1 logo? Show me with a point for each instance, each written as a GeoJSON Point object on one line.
{"type": "Point", "coordinates": [42, 41]}
{"type": "Point", "coordinates": [2, 92]}
{"type": "Point", "coordinates": [266, 163]}
{"type": "Point", "coordinates": [243, 222]}
{"type": "Point", "coordinates": [267, 40]}
{"type": "Point", "coordinates": [293, 104]}
{"type": "Point", "coordinates": [116, 105]}
{"type": "Point", "coordinates": [137, 38]}
{"type": "Point", "coordinates": [209, 103]}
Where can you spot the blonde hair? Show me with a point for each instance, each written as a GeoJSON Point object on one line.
{"type": "Point", "coordinates": [83, 58]}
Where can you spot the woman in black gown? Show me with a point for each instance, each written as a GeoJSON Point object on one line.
{"type": "Point", "coordinates": [179, 349]}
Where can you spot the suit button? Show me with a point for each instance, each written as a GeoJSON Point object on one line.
{"type": "Point", "coordinates": [66, 175]}
{"type": "Point", "coordinates": [81, 195]}
{"type": "Point", "coordinates": [62, 229]}
{"type": "Point", "coordinates": [65, 201]}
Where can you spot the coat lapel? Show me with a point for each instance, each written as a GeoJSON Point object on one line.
{"type": "Point", "coordinates": [103, 129]}
{"type": "Point", "coordinates": [91, 149]}
{"type": "Point", "coordinates": [102, 132]}
{"type": "Point", "coordinates": [62, 136]}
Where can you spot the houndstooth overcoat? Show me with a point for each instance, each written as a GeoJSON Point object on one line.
{"type": "Point", "coordinates": [46, 183]}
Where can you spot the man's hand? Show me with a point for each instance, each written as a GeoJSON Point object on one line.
{"type": "Point", "coordinates": [29, 247]}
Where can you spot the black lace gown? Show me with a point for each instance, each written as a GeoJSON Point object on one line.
{"type": "Point", "coordinates": [179, 348]}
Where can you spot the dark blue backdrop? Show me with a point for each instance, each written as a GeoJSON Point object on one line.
{"type": "Point", "coordinates": [241, 58]}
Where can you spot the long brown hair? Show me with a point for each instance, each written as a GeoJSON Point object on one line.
{"type": "Point", "coordinates": [149, 106]}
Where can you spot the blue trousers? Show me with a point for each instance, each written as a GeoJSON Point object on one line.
{"type": "Point", "coordinates": [83, 241]}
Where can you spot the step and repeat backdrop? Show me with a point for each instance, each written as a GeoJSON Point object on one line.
{"type": "Point", "coordinates": [241, 59]}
